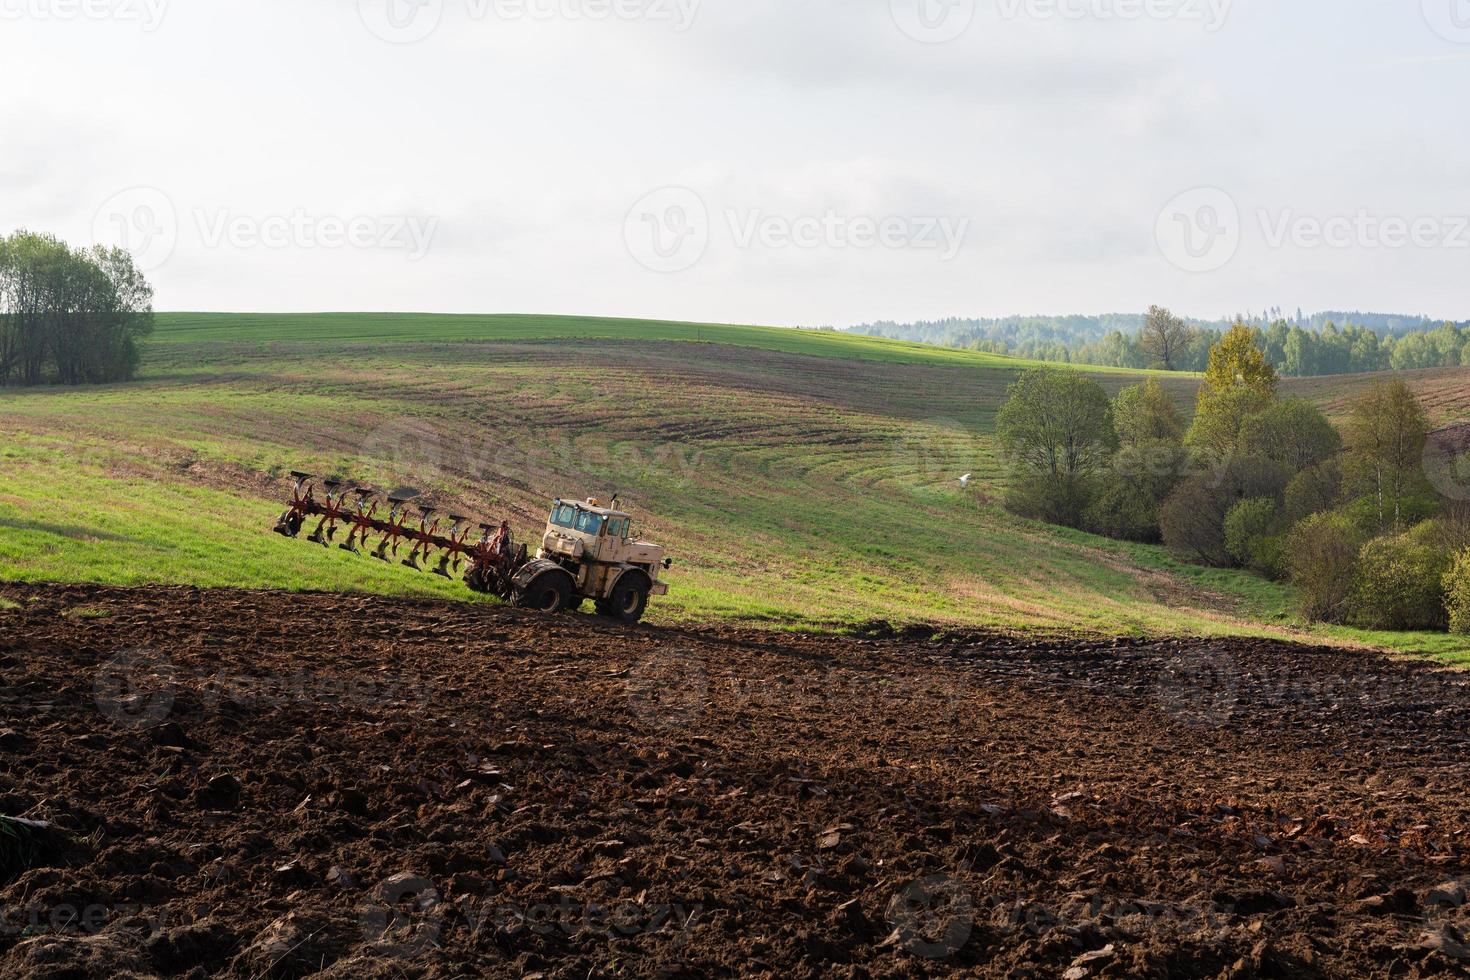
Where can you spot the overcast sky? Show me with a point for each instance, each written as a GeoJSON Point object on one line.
{"type": "Point", "coordinates": [770, 161]}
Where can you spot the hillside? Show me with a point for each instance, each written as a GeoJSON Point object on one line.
{"type": "Point", "coordinates": [801, 479]}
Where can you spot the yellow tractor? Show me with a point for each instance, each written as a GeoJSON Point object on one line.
{"type": "Point", "coordinates": [587, 551]}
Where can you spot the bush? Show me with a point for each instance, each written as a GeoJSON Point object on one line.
{"type": "Point", "coordinates": [1055, 499]}
{"type": "Point", "coordinates": [1248, 534]}
{"type": "Point", "coordinates": [1400, 583]}
{"type": "Point", "coordinates": [1321, 557]}
{"type": "Point", "coordinates": [1312, 491]}
{"type": "Point", "coordinates": [1255, 476]}
{"type": "Point", "coordinates": [1146, 413]}
{"type": "Point", "coordinates": [1220, 417]}
{"type": "Point", "coordinates": [1294, 432]}
{"type": "Point", "coordinates": [1121, 512]}
{"type": "Point", "coordinates": [1128, 497]}
{"type": "Point", "coordinates": [1457, 594]}
{"type": "Point", "coordinates": [1363, 511]}
{"type": "Point", "coordinates": [1192, 520]}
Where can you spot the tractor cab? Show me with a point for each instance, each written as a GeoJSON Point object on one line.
{"type": "Point", "coordinates": [583, 529]}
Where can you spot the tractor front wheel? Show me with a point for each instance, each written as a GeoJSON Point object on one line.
{"type": "Point", "coordinates": [628, 601]}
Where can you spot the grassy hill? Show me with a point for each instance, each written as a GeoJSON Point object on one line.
{"type": "Point", "coordinates": [801, 479]}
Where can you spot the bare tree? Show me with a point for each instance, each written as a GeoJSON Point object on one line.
{"type": "Point", "coordinates": [1163, 336]}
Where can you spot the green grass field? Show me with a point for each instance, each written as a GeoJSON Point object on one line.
{"type": "Point", "coordinates": [802, 479]}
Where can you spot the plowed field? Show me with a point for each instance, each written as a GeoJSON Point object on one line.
{"type": "Point", "coordinates": [267, 784]}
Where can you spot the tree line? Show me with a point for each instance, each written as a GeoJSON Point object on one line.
{"type": "Point", "coordinates": [1299, 346]}
{"type": "Point", "coordinates": [69, 315]}
{"type": "Point", "coordinates": [1358, 519]}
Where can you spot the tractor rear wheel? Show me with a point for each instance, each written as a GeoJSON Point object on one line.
{"type": "Point", "coordinates": [549, 593]}
{"type": "Point", "coordinates": [628, 601]}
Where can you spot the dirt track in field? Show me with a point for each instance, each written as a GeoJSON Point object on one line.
{"type": "Point", "coordinates": [261, 784]}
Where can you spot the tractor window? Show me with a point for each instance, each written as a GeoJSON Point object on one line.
{"type": "Point", "coordinates": [564, 516]}
{"type": "Point", "coordinates": [619, 527]}
{"type": "Point", "coordinates": [589, 523]}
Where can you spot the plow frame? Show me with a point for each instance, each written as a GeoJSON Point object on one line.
{"type": "Point", "coordinates": [490, 563]}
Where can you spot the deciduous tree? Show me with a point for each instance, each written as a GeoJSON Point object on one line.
{"type": "Point", "coordinates": [1164, 337]}
{"type": "Point", "coordinates": [1146, 413]}
{"type": "Point", "coordinates": [1385, 434]}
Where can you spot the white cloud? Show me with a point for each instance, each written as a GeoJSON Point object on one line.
{"type": "Point", "coordinates": [1058, 140]}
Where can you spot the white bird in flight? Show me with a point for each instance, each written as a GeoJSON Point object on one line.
{"type": "Point", "coordinates": [965, 480]}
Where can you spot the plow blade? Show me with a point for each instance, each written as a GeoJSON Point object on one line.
{"type": "Point", "coordinates": [489, 563]}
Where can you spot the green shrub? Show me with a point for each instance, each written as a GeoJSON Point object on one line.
{"type": "Point", "coordinates": [1128, 497]}
{"type": "Point", "coordinates": [1400, 582]}
{"type": "Point", "coordinates": [1293, 431]}
{"type": "Point", "coordinates": [1055, 499]}
{"type": "Point", "coordinates": [1121, 512]}
{"type": "Point", "coordinates": [1312, 491]}
{"type": "Point", "coordinates": [1457, 594]}
{"type": "Point", "coordinates": [1192, 520]}
{"type": "Point", "coordinates": [1363, 511]}
{"type": "Point", "coordinates": [1321, 557]}
{"type": "Point", "coordinates": [1255, 476]}
{"type": "Point", "coordinates": [1248, 534]}
{"type": "Point", "coordinates": [1146, 413]}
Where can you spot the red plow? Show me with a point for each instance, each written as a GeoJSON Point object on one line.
{"type": "Point", "coordinates": [427, 541]}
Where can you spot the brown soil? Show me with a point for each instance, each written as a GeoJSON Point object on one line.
{"type": "Point", "coordinates": [274, 785]}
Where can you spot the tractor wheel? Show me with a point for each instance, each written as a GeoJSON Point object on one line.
{"type": "Point", "coordinates": [628, 601]}
{"type": "Point", "coordinates": [551, 593]}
